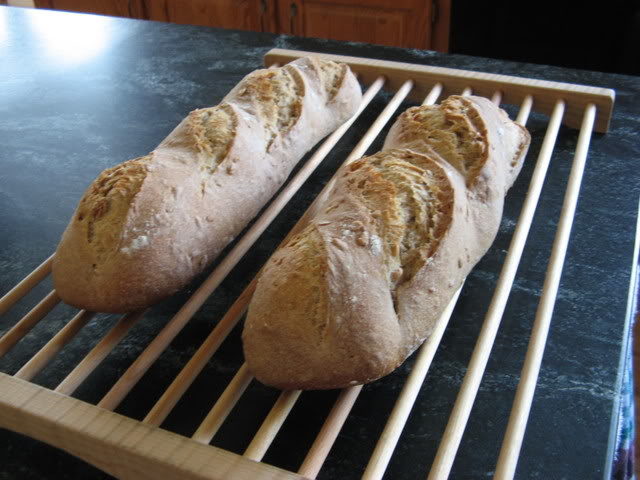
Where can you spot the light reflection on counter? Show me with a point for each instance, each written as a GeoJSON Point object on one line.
{"type": "Point", "coordinates": [72, 39]}
{"type": "Point", "coordinates": [4, 29]}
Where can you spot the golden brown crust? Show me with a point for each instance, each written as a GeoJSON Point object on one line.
{"type": "Point", "coordinates": [145, 228]}
{"type": "Point", "coordinates": [348, 299]}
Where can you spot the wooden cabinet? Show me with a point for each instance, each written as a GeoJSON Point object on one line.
{"type": "Point", "coordinates": [406, 23]}
{"type": "Point", "coordinates": [116, 8]}
{"type": "Point", "coordinates": [420, 24]}
{"type": "Point", "coordinates": [255, 15]}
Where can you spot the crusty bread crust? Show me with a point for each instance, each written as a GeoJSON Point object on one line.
{"type": "Point", "coordinates": [349, 298]}
{"type": "Point", "coordinates": [145, 228]}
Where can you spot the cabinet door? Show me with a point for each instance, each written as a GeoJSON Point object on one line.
{"type": "Point", "coordinates": [256, 15]}
{"type": "Point", "coordinates": [406, 23]}
{"type": "Point", "coordinates": [117, 8]}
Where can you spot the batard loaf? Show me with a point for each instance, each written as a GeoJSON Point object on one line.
{"type": "Point", "coordinates": [351, 296]}
{"type": "Point", "coordinates": [146, 227]}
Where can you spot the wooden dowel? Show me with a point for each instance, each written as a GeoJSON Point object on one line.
{"type": "Point", "coordinates": [271, 425]}
{"type": "Point", "coordinates": [379, 123]}
{"type": "Point", "coordinates": [497, 97]}
{"type": "Point", "coordinates": [464, 402]}
{"type": "Point", "coordinates": [435, 92]}
{"type": "Point", "coordinates": [512, 443]}
{"type": "Point", "coordinates": [53, 346]}
{"type": "Point", "coordinates": [329, 432]}
{"type": "Point", "coordinates": [221, 409]}
{"type": "Point", "coordinates": [402, 408]}
{"type": "Point", "coordinates": [466, 92]}
{"type": "Point", "coordinates": [26, 323]}
{"type": "Point", "coordinates": [25, 286]}
{"type": "Point", "coordinates": [128, 380]}
{"type": "Point", "coordinates": [525, 110]}
{"type": "Point", "coordinates": [98, 353]}
{"type": "Point", "coordinates": [197, 362]}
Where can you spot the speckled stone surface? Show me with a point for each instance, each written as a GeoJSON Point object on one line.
{"type": "Point", "coordinates": [81, 93]}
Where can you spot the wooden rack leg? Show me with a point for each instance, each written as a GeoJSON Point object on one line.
{"type": "Point", "coordinates": [26, 323]}
{"type": "Point", "coordinates": [53, 346]}
{"type": "Point", "coordinates": [459, 416]}
{"type": "Point", "coordinates": [510, 451]}
{"type": "Point", "coordinates": [25, 286]}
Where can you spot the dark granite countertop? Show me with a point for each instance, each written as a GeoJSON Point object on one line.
{"type": "Point", "coordinates": [80, 93]}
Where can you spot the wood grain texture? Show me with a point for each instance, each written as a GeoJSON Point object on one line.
{"type": "Point", "coordinates": [514, 89]}
{"type": "Point", "coordinates": [401, 23]}
{"type": "Point", "coordinates": [441, 22]}
{"type": "Point", "coordinates": [116, 8]}
{"type": "Point", "coordinates": [116, 444]}
{"type": "Point", "coordinates": [405, 23]}
{"type": "Point", "coordinates": [238, 14]}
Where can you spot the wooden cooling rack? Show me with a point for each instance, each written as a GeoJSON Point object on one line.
{"type": "Point", "coordinates": [128, 448]}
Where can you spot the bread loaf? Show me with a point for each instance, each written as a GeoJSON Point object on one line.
{"type": "Point", "coordinates": [146, 227]}
{"type": "Point", "coordinates": [350, 297]}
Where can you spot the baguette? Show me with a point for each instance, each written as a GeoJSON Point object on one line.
{"type": "Point", "coordinates": [351, 296]}
{"type": "Point", "coordinates": [146, 227]}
